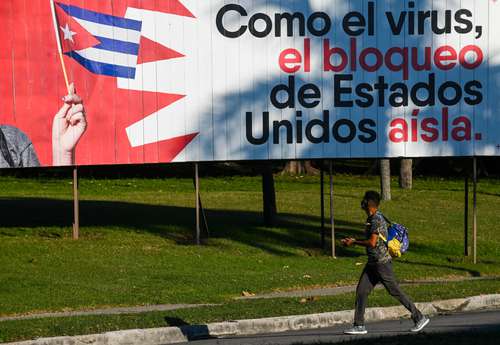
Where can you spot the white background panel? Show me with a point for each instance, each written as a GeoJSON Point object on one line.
{"type": "Point", "coordinates": [224, 78]}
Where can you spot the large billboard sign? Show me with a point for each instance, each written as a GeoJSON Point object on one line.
{"type": "Point", "coordinates": [222, 80]}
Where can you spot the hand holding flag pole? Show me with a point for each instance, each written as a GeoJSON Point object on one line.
{"type": "Point", "coordinates": [59, 45]}
{"type": "Point", "coordinates": [70, 123]}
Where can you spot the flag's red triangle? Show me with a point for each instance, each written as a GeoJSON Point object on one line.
{"type": "Point", "coordinates": [165, 6]}
{"type": "Point", "coordinates": [164, 151]}
{"type": "Point", "coordinates": [169, 149]}
{"type": "Point", "coordinates": [73, 35]}
{"type": "Point", "coordinates": [155, 101]}
{"type": "Point", "coordinates": [119, 8]}
{"type": "Point", "coordinates": [151, 51]}
{"type": "Point", "coordinates": [141, 104]}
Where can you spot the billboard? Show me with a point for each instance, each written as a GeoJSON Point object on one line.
{"type": "Point", "coordinates": [221, 80]}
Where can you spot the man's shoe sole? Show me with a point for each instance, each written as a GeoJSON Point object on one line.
{"type": "Point", "coordinates": [356, 333]}
{"type": "Point", "coordinates": [421, 327]}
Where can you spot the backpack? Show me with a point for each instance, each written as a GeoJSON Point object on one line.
{"type": "Point", "coordinates": [398, 240]}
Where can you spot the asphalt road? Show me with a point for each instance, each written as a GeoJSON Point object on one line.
{"type": "Point", "coordinates": [479, 321]}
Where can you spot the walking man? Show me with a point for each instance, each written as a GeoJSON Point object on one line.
{"type": "Point", "coordinates": [379, 268]}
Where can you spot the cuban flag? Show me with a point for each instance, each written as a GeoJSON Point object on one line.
{"type": "Point", "coordinates": [103, 44]}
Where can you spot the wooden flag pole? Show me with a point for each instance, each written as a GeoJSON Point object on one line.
{"type": "Point", "coordinates": [59, 45]}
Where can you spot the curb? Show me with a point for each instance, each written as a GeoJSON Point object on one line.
{"type": "Point", "coordinates": [109, 311]}
{"type": "Point", "coordinates": [173, 335]}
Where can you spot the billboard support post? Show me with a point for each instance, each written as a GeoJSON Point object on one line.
{"type": "Point", "coordinates": [76, 208]}
{"type": "Point", "coordinates": [197, 191]}
{"type": "Point", "coordinates": [474, 214]}
{"type": "Point", "coordinates": [332, 218]}
{"type": "Point", "coordinates": [322, 203]}
{"type": "Point", "coordinates": [466, 217]}
{"type": "Point", "coordinates": [200, 211]}
{"type": "Point", "coordinates": [203, 215]}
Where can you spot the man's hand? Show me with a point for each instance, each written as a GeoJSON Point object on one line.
{"type": "Point", "coordinates": [348, 242]}
{"type": "Point", "coordinates": [370, 243]}
{"type": "Point", "coordinates": [68, 127]}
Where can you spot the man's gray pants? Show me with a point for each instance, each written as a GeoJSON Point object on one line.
{"type": "Point", "coordinates": [380, 273]}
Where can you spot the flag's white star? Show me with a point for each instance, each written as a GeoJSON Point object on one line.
{"type": "Point", "coordinates": [68, 34]}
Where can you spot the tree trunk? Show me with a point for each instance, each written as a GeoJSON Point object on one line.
{"type": "Point", "coordinates": [406, 174]}
{"type": "Point", "coordinates": [385, 179]}
{"type": "Point", "coordinates": [300, 168]}
{"type": "Point", "coordinates": [269, 197]}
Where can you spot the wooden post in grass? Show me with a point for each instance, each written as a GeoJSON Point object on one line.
{"type": "Point", "coordinates": [269, 196]}
{"type": "Point", "coordinates": [197, 192]}
{"type": "Point", "coordinates": [474, 213]}
{"type": "Point", "coordinates": [332, 219]}
{"type": "Point", "coordinates": [322, 203]}
{"type": "Point", "coordinates": [466, 217]}
{"type": "Point", "coordinates": [201, 217]}
{"type": "Point", "coordinates": [76, 208]}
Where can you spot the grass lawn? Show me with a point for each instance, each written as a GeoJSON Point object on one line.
{"type": "Point", "coordinates": [136, 241]}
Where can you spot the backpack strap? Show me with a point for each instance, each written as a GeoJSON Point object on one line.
{"type": "Point", "coordinates": [383, 239]}
{"type": "Point", "coordinates": [387, 220]}
{"type": "Point", "coordinates": [389, 223]}
{"type": "Point", "coordinates": [4, 149]}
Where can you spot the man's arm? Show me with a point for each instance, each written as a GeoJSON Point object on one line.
{"type": "Point", "coordinates": [370, 243]}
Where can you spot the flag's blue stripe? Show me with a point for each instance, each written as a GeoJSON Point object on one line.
{"type": "Point", "coordinates": [100, 18]}
{"type": "Point", "coordinates": [117, 46]}
{"type": "Point", "coordinates": [104, 68]}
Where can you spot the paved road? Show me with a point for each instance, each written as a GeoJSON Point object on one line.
{"type": "Point", "coordinates": [489, 320]}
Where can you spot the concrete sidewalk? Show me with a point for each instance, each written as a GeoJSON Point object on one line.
{"type": "Point", "coordinates": [172, 335]}
{"type": "Point", "coordinates": [106, 311]}
{"type": "Point", "coordinates": [301, 293]}
{"type": "Point", "coordinates": [339, 290]}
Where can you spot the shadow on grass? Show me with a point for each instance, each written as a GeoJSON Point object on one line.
{"type": "Point", "coordinates": [35, 215]}
{"type": "Point", "coordinates": [472, 272]}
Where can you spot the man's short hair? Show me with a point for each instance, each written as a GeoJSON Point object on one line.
{"type": "Point", "coordinates": [372, 197]}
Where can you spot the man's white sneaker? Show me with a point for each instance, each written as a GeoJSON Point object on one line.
{"type": "Point", "coordinates": [420, 325]}
{"type": "Point", "coordinates": [356, 330]}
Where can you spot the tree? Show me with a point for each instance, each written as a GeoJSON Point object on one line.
{"type": "Point", "coordinates": [385, 179]}
{"type": "Point", "coordinates": [406, 174]}
{"type": "Point", "coordinates": [300, 168]}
